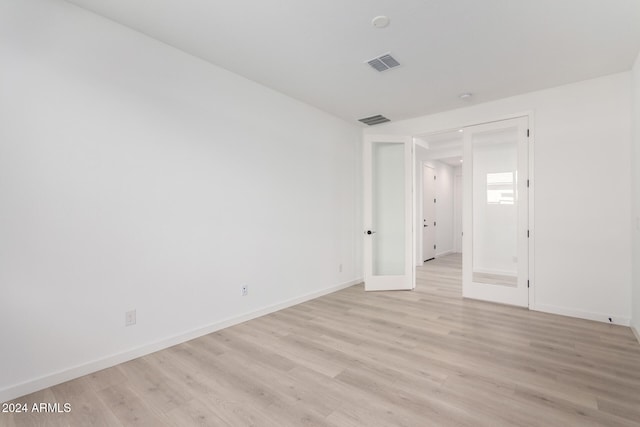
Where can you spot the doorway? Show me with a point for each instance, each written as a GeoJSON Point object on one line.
{"type": "Point", "coordinates": [437, 163]}
{"type": "Point", "coordinates": [428, 213]}
{"type": "Point", "coordinates": [491, 202]}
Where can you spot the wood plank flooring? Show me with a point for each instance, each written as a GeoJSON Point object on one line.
{"type": "Point", "coordinates": [352, 358]}
{"type": "Point", "coordinates": [495, 279]}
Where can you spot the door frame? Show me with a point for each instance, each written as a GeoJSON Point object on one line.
{"type": "Point", "coordinates": [491, 292]}
{"type": "Point", "coordinates": [531, 150]}
{"type": "Point", "coordinates": [390, 282]}
{"type": "Point", "coordinates": [419, 220]}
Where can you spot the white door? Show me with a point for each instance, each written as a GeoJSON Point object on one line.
{"type": "Point", "coordinates": [457, 213]}
{"type": "Point", "coordinates": [495, 212]}
{"type": "Point", "coordinates": [428, 213]}
{"type": "Point", "coordinates": [388, 212]}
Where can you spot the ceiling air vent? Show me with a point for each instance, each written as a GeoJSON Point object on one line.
{"type": "Point", "coordinates": [383, 62]}
{"type": "Point", "coordinates": [374, 120]}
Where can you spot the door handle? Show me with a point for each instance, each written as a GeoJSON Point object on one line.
{"type": "Point", "coordinates": [426, 225]}
{"type": "Point", "coordinates": [369, 232]}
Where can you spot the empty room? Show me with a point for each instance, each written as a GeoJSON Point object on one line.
{"type": "Point", "coordinates": [286, 213]}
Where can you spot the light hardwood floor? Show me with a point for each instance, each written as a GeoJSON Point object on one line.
{"type": "Point", "coordinates": [495, 279]}
{"type": "Point", "coordinates": [352, 358]}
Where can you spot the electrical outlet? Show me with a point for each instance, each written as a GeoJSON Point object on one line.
{"type": "Point", "coordinates": [245, 290]}
{"type": "Point", "coordinates": [130, 318]}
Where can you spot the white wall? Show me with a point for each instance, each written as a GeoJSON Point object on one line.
{"type": "Point", "coordinates": [444, 207]}
{"type": "Point", "coordinates": [133, 175]}
{"type": "Point", "coordinates": [444, 204]}
{"type": "Point", "coordinates": [636, 197]}
{"type": "Point", "coordinates": [581, 229]}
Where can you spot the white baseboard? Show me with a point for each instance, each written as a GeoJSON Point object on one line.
{"type": "Point", "coordinates": [598, 317]}
{"type": "Point", "coordinates": [636, 333]}
{"type": "Point", "coordinates": [68, 374]}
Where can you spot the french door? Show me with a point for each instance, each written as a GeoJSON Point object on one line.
{"type": "Point", "coordinates": [388, 212]}
{"type": "Point", "coordinates": [495, 212]}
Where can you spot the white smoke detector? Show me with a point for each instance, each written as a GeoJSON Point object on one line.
{"type": "Point", "coordinates": [380, 21]}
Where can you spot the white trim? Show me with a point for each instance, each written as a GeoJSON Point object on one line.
{"type": "Point", "coordinates": [49, 380]}
{"type": "Point", "coordinates": [466, 123]}
{"type": "Point", "coordinates": [417, 204]}
{"type": "Point", "coordinates": [418, 196]}
{"type": "Point", "coordinates": [636, 333]}
{"type": "Point", "coordinates": [598, 317]}
{"type": "Point", "coordinates": [532, 233]}
{"type": "Point", "coordinates": [411, 216]}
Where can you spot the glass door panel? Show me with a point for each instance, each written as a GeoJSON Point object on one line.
{"type": "Point", "coordinates": [388, 209]}
{"type": "Point", "coordinates": [495, 207]}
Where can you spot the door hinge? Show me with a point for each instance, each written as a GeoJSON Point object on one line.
{"type": "Point", "coordinates": [434, 200]}
{"type": "Point", "coordinates": [527, 233]}
{"type": "Point", "coordinates": [434, 247]}
{"type": "Point", "coordinates": [434, 223]}
{"type": "Point", "coordinates": [527, 183]}
{"type": "Point", "coordinates": [527, 133]}
{"type": "Point", "coordinates": [527, 283]}
{"type": "Point", "coordinates": [434, 177]}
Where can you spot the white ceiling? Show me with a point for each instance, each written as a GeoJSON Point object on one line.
{"type": "Point", "coordinates": [314, 50]}
{"type": "Point", "coordinates": [442, 146]}
{"type": "Point", "coordinates": [452, 161]}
